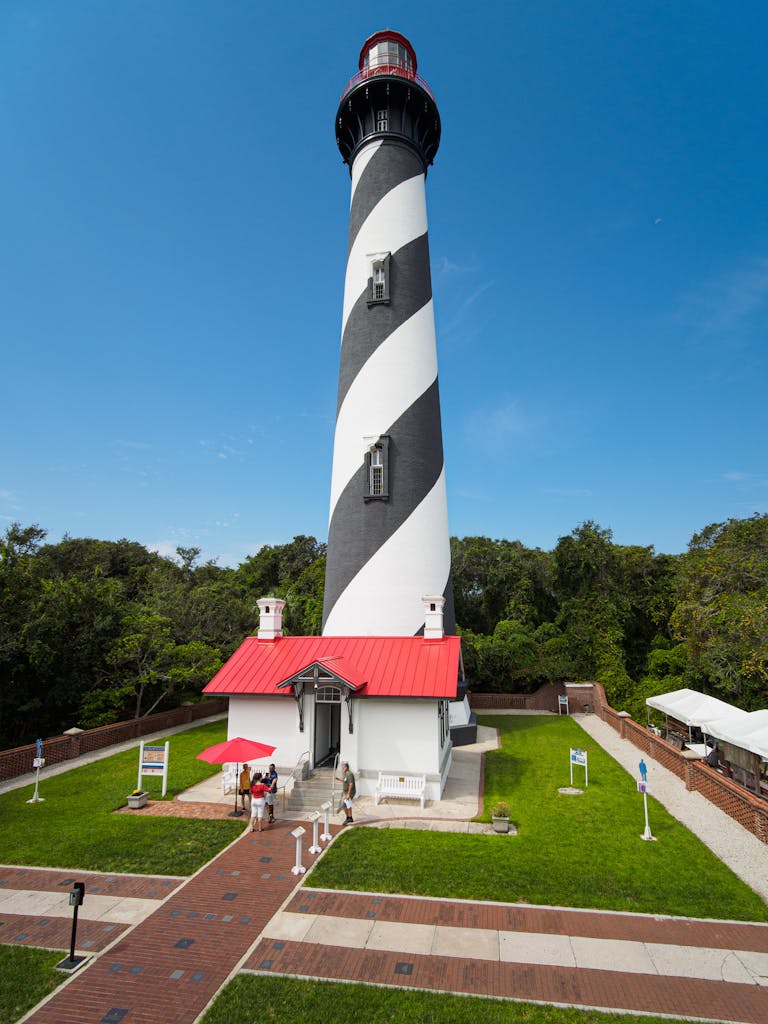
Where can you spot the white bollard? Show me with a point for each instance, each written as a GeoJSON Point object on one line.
{"type": "Point", "coordinates": [298, 868]}
{"type": "Point", "coordinates": [326, 836]}
{"type": "Point", "coordinates": [642, 787]}
{"type": "Point", "coordinates": [315, 847]}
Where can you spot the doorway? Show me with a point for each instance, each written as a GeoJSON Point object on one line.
{"type": "Point", "coordinates": [327, 725]}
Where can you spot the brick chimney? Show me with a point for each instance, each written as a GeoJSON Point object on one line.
{"type": "Point", "coordinates": [270, 618]}
{"type": "Point", "coordinates": [433, 617]}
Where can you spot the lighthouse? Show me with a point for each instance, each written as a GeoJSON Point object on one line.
{"type": "Point", "coordinates": [383, 687]}
{"type": "Point", "coordinates": [388, 542]}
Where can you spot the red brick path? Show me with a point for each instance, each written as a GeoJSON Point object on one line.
{"type": "Point", "coordinates": [642, 993]}
{"type": "Point", "coordinates": [166, 969]}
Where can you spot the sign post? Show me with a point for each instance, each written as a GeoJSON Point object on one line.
{"type": "Point", "coordinates": [76, 899]}
{"type": "Point", "coordinates": [579, 757]}
{"type": "Point", "coordinates": [154, 761]}
{"type": "Point", "coordinates": [642, 787]}
{"type": "Point", "coordinates": [38, 762]}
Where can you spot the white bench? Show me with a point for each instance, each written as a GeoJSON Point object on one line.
{"type": "Point", "coordinates": [229, 778]}
{"type": "Point", "coordinates": [407, 787]}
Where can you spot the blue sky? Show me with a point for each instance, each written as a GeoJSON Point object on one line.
{"type": "Point", "coordinates": [173, 238]}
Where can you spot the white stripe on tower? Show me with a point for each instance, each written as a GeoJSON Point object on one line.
{"type": "Point", "coordinates": [386, 551]}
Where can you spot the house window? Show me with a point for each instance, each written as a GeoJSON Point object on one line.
{"type": "Point", "coordinates": [443, 721]}
{"type": "Point", "coordinates": [377, 470]}
{"type": "Point", "coordinates": [378, 282]}
{"type": "Point", "coordinates": [382, 120]}
{"type": "Point", "coordinates": [328, 695]}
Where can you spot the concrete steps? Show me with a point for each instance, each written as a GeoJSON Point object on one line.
{"type": "Point", "coordinates": [309, 794]}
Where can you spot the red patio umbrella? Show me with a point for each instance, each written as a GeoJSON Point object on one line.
{"type": "Point", "coordinates": [237, 750]}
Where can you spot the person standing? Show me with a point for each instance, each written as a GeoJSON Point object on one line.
{"type": "Point", "coordinates": [258, 801]}
{"type": "Point", "coordinates": [348, 790]}
{"type": "Point", "coordinates": [270, 780]}
{"type": "Point", "coordinates": [244, 784]}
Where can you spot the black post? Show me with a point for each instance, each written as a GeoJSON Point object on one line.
{"type": "Point", "coordinates": [76, 899]}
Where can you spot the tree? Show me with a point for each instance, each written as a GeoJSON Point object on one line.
{"type": "Point", "coordinates": [722, 614]}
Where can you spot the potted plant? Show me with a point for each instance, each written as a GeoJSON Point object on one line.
{"type": "Point", "coordinates": [138, 798]}
{"type": "Point", "coordinates": [500, 816]}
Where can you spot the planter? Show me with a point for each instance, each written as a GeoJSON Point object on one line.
{"type": "Point", "coordinates": [500, 824]}
{"type": "Point", "coordinates": [137, 800]}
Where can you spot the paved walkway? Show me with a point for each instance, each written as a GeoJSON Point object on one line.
{"type": "Point", "coordinates": [164, 947]}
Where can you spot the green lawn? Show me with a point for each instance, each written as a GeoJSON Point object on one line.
{"type": "Point", "coordinates": [75, 826]}
{"type": "Point", "coordinates": [26, 977]}
{"type": "Point", "coordinates": [573, 851]}
{"type": "Point", "coordinates": [251, 1000]}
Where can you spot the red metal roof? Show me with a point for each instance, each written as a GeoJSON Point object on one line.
{"type": "Point", "coordinates": [374, 666]}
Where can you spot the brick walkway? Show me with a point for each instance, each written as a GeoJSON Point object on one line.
{"type": "Point", "coordinates": [166, 969]}
{"type": "Point", "coordinates": [51, 930]}
{"type": "Point", "coordinates": [345, 954]}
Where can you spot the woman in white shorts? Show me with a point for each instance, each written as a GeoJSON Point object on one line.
{"type": "Point", "coordinates": [258, 801]}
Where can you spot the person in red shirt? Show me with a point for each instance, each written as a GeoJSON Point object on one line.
{"type": "Point", "coordinates": [258, 801]}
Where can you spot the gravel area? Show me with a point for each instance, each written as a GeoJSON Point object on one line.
{"type": "Point", "coordinates": [744, 854]}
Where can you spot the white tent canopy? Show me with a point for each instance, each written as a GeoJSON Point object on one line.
{"type": "Point", "coordinates": [690, 707]}
{"type": "Point", "coordinates": [749, 732]}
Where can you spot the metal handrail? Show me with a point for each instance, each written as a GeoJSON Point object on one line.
{"type": "Point", "coordinates": [387, 69]}
{"type": "Point", "coordinates": [333, 781]}
{"type": "Point", "coordinates": [294, 775]}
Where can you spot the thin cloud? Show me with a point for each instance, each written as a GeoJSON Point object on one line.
{"type": "Point", "coordinates": [472, 298]}
{"type": "Point", "coordinates": [726, 302]}
{"type": "Point", "coordinates": [569, 492]}
{"type": "Point", "coordinates": [450, 268]}
{"type": "Point", "coordinates": [493, 429]}
{"type": "Point", "coordinates": [139, 445]}
{"type": "Point", "coordinates": [736, 475]}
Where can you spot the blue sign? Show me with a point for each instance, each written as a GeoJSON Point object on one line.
{"type": "Point", "coordinates": [39, 745]}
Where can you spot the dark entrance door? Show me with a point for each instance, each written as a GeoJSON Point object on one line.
{"type": "Point", "coordinates": [327, 724]}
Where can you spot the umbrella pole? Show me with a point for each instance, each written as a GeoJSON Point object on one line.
{"type": "Point", "coordinates": [236, 813]}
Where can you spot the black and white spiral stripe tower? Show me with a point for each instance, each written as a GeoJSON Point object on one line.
{"type": "Point", "coordinates": [388, 542]}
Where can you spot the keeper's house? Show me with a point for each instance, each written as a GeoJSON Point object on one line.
{"type": "Point", "coordinates": [381, 702]}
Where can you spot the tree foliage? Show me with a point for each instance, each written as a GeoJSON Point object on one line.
{"type": "Point", "coordinates": [93, 631]}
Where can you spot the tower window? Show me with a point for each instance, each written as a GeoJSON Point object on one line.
{"type": "Point", "coordinates": [378, 282]}
{"type": "Point", "coordinates": [377, 470]}
{"type": "Point", "coordinates": [382, 120]}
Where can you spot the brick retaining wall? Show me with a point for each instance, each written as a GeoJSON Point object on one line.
{"type": "Point", "coordinates": [18, 761]}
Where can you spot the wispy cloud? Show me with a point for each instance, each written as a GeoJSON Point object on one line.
{"type": "Point", "coordinates": [568, 492]}
{"type": "Point", "coordinates": [724, 303]}
{"type": "Point", "coordinates": [450, 268]}
{"type": "Point", "coordinates": [229, 447]}
{"type": "Point", "coordinates": [140, 445]}
{"type": "Point", "coordinates": [736, 475]}
{"type": "Point", "coordinates": [472, 298]}
{"type": "Point", "coordinates": [492, 429]}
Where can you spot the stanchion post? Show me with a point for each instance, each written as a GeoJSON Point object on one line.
{"type": "Point", "coordinates": [76, 899]}
{"type": "Point", "coordinates": [642, 787]}
{"type": "Point", "coordinates": [315, 819]}
{"type": "Point", "coordinates": [298, 868]}
{"type": "Point", "coordinates": [326, 807]}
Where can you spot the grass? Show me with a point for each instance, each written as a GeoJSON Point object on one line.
{"type": "Point", "coordinates": [249, 999]}
{"type": "Point", "coordinates": [26, 977]}
{"type": "Point", "coordinates": [572, 851]}
{"type": "Point", "coordinates": [75, 826]}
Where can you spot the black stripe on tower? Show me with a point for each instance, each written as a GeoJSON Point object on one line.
{"type": "Point", "coordinates": [390, 166]}
{"type": "Point", "coordinates": [367, 328]}
{"type": "Point", "coordinates": [415, 465]}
